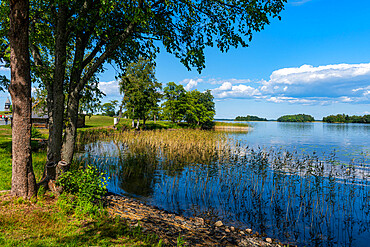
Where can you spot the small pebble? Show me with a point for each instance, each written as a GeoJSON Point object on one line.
{"type": "Point", "coordinates": [242, 233]}
{"type": "Point", "coordinates": [227, 230]}
{"type": "Point", "coordinates": [268, 240]}
{"type": "Point", "coordinates": [219, 223]}
{"type": "Point", "coordinates": [232, 228]}
{"type": "Point", "coordinates": [249, 231]}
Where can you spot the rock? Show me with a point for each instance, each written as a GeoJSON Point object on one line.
{"type": "Point", "coordinates": [199, 221]}
{"type": "Point", "coordinates": [232, 228]}
{"type": "Point", "coordinates": [269, 240]}
{"type": "Point", "coordinates": [219, 223]}
{"type": "Point", "coordinates": [227, 230]}
{"type": "Point", "coordinates": [242, 233]}
{"type": "Point", "coordinates": [249, 231]}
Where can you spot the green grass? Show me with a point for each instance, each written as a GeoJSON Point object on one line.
{"type": "Point", "coordinates": [98, 121]}
{"type": "Point", "coordinates": [5, 157]}
{"type": "Point", "coordinates": [38, 158]}
{"type": "Point", "coordinates": [42, 223]}
{"type": "Point", "coordinates": [231, 124]}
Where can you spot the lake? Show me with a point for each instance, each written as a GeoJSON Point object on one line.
{"type": "Point", "coordinates": [348, 141]}
{"type": "Point", "coordinates": [301, 183]}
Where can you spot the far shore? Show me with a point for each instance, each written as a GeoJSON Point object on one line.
{"type": "Point", "coordinates": [232, 128]}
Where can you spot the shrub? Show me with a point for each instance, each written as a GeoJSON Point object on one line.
{"type": "Point", "coordinates": [83, 190]}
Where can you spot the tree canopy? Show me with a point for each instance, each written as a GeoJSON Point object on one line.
{"type": "Point", "coordinates": [249, 118]}
{"type": "Point", "coordinates": [343, 118]}
{"type": "Point", "coordinates": [296, 118]}
{"type": "Point", "coordinates": [140, 89]}
{"type": "Point", "coordinates": [71, 41]}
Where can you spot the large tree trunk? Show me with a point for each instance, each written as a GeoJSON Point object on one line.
{"type": "Point", "coordinates": [56, 89]}
{"type": "Point", "coordinates": [23, 178]}
{"type": "Point", "coordinates": [71, 128]}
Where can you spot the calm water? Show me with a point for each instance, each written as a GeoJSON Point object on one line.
{"type": "Point", "coordinates": [348, 141]}
{"type": "Point", "coordinates": [273, 186]}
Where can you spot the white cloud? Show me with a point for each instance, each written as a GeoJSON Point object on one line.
{"type": "Point", "coordinates": [227, 90]}
{"type": "Point", "coordinates": [344, 83]}
{"type": "Point", "coordinates": [307, 74]}
{"type": "Point", "coordinates": [232, 81]}
{"type": "Point", "coordinates": [2, 68]}
{"type": "Point", "coordinates": [110, 88]}
{"type": "Point", "coordinates": [191, 83]}
{"type": "Point", "coordinates": [299, 2]}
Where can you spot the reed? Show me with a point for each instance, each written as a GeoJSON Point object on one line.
{"type": "Point", "coordinates": [296, 197]}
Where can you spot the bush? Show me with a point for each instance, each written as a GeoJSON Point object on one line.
{"type": "Point", "coordinates": [83, 190]}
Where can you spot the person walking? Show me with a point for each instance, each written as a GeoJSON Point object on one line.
{"type": "Point", "coordinates": [6, 120]}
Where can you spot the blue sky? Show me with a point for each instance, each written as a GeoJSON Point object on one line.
{"type": "Point", "coordinates": [316, 61]}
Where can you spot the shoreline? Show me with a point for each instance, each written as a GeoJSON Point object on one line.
{"type": "Point", "coordinates": [232, 128]}
{"type": "Point", "coordinates": [194, 231]}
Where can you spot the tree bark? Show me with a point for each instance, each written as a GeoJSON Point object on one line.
{"type": "Point", "coordinates": [56, 106]}
{"type": "Point", "coordinates": [23, 178]}
{"type": "Point", "coordinates": [71, 128]}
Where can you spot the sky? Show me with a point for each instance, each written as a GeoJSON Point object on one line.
{"type": "Point", "coordinates": [315, 61]}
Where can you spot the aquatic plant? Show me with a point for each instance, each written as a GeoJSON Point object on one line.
{"type": "Point", "coordinates": [309, 199]}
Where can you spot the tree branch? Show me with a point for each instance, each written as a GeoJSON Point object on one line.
{"type": "Point", "coordinates": [108, 51]}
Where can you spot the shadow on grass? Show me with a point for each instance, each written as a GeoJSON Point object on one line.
{"type": "Point", "coordinates": [109, 231]}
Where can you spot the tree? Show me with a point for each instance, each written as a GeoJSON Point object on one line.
{"type": "Point", "coordinates": [296, 118]}
{"type": "Point", "coordinates": [249, 118]}
{"type": "Point", "coordinates": [200, 108]}
{"type": "Point", "coordinates": [23, 178]}
{"type": "Point", "coordinates": [109, 109]}
{"type": "Point", "coordinates": [140, 89]}
{"type": "Point", "coordinates": [72, 40]}
{"type": "Point", "coordinates": [174, 107]}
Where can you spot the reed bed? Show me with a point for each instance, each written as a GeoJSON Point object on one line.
{"type": "Point", "coordinates": [304, 199]}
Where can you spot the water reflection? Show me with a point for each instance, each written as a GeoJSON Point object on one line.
{"type": "Point", "coordinates": [301, 128]}
{"type": "Point", "coordinates": [312, 200]}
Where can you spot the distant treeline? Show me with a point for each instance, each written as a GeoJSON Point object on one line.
{"type": "Point", "coordinates": [296, 118]}
{"type": "Point", "coordinates": [342, 118]}
{"type": "Point", "coordinates": [249, 118]}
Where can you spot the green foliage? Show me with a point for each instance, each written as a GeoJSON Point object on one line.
{"type": "Point", "coordinates": [296, 118]}
{"type": "Point", "coordinates": [35, 133]}
{"type": "Point", "coordinates": [140, 89]}
{"type": "Point", "coordinates": [194, 107]}
{"type": "Point", "coordinates": [4, 83]}
{"type": "Point", "coordinates": [200, 108]}
{"type": "Point", "coordinates": [84, 191]}
{"type": "Point", "coordinates": [249, 118]}
{"type": "Point", "coordinates": [174, 107]}
{"type": "Point", "coordinates": [109, 109]}
{"type": "Point", "coordinates": [342, 118]}
{"type": "Point", "coordinates": [88, 184]}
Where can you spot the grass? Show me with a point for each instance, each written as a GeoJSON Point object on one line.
{"type": "Point", "coordinates": [5, 157]}
{"type": "Point", "coordinates": [98, 121]}
{"type": "Point", "coordinates": [225, 124]}
{"type": "Point", "coordinates": [42, 223]}
{"type": "Point", "coordinates": [38, 157]}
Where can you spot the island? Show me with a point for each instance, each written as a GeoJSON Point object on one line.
{"type": "Point", "coordinates": [296, 118]}
{"type": "Point", "coordinates": [249, 118]}
{"type": "Point", "coordinates": [343, 118]}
